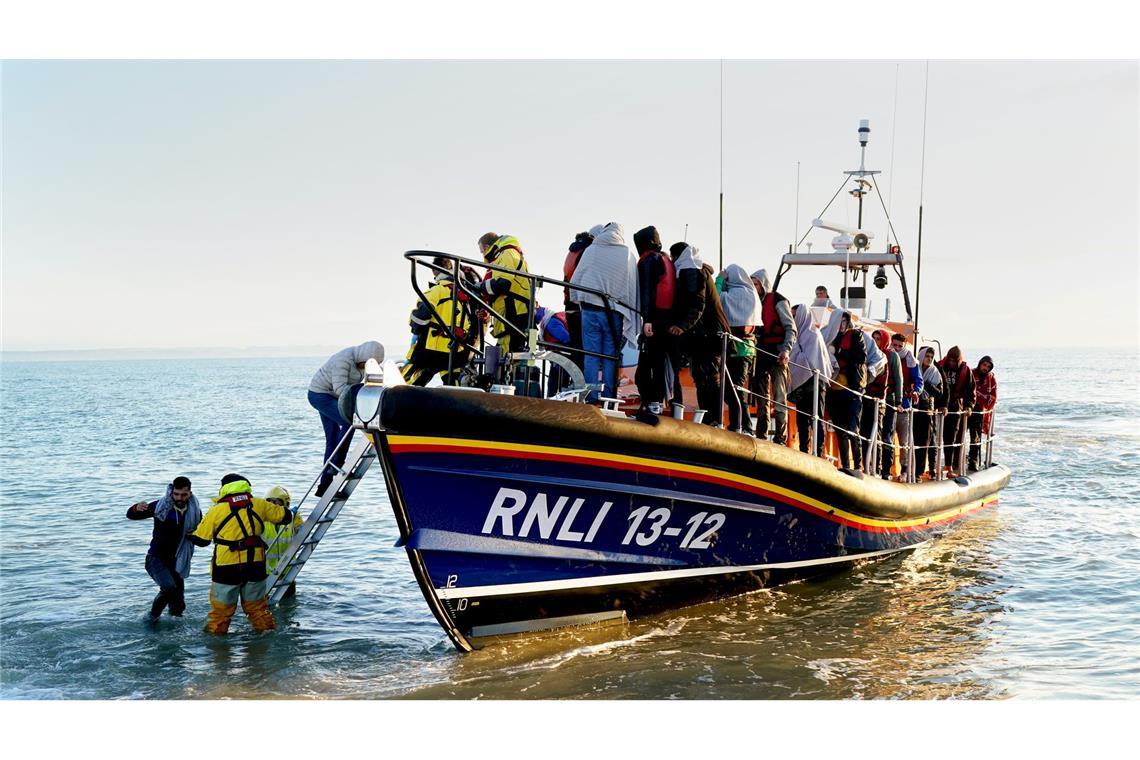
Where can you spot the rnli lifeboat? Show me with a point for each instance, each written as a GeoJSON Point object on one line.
{"type": "Point", "coordinates": [522, 511]}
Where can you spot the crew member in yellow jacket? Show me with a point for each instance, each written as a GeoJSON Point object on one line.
{"type": "Point", "coordinates": [235, 523]}
{"type": "Point", "coordinates": [509, 294]}
{"type": "Point", "coordinates": [278, 537]}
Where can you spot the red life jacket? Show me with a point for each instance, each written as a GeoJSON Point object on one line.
{"type": "Point", "coordinates": [772, 332]}
{"type": "Point", "coordinates": [667, 284]}
{"type": "Point", "coordinates": [878, 386]}
{"type": "Point", "coordinates": [844, 346]}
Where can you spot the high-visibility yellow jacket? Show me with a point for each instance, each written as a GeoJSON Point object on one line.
{"type": "Point", "coordinates": [513, 301]}
{"type": "Point", "coordinates": [446, 302]}
{"type": "Point", "coordinates": [277, 539]}
{"type": "Point", "coordinates": [235, 523]}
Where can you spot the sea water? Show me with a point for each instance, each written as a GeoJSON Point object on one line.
{"type": "Point", "coordinates": [1038, 598]}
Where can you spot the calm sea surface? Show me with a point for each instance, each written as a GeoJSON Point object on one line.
{"type": "Point", "coordinates": [1038, 598]}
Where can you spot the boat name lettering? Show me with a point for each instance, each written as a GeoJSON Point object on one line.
{"type": "Point", "coordinates": [656, 524]}
{"type": "Point", "coordinates": [543, 519]}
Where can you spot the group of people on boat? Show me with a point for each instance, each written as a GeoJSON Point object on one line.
{"type": "Point", "coordinates": [678, 311]}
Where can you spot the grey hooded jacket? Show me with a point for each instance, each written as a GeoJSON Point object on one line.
{"type": "Point", "coordinates": [340, 370]}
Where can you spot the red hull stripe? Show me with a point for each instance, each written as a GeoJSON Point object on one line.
{"type": "Point", "coordinates": [873, 525]}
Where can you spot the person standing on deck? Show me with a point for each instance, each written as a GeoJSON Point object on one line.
{"type": "Point", "coordinates": [822, 298]}
{"type": "Point", "coordinates": [699, 320]}
{"type": "Point", "coordinates": [656, 283]}
{"type": "Point", "coordinates": [235, 524]}
{"type": "Point", "coordinates": [446, 311]}
{"type": "Point", "coordinates": [777, 336]}
{"type": "Point", "coordinates": [959, 383]}
{"type": "Point", "coordinates": [843, 400]}
{"type": "Point", "coordinates": [809, 356]}
{"type": "Point", "coordinates": [508, 294]}
{"type": "Point", "coordinates": [876, 365]}
{"type": "Point", "coordinates": [931, 398]}
{"type": "Point", "coordinates": [573, 309]}
{"type": "Point", "coordinates": [986, 397]}
{"type": "Point", "coordinates": [168, 558]}
{"type": "Point", "coordinates": [609, 266]}
{"type": "Point", "coordinates": [744, 313]}
{"type": "Point", "coordinates": [912, 387]}
{"type": "Point", "coordinates": [343, 369]}
{"type": "Point", "coordinates": [888, 387]}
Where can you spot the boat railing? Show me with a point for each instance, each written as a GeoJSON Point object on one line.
{"type": "Point", "coordinates": [873, 444]}
{"type": "Point", "coordinates": [461, 344]}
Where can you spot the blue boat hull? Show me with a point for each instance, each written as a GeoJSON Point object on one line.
{"type": "Point", "coordinates": [509, 535]}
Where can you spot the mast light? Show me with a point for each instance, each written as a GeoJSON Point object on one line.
{"type": "Point", "coordinates": [864, 132]}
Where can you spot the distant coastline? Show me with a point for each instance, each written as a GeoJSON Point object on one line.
{"type": "Point", "coordinates": [201, 352]}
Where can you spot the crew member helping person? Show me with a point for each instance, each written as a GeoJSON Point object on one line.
{"type": "Point", "coordinates": [442, 330]}
{"type": "Point", "coordinates": [235, 524]}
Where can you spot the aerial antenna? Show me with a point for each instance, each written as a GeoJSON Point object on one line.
{"type": "Point", "coordinates": [921, 186]}
{"type": "Point", "coordinates": [894, 121]}
{"type": "Point", "coordinates": [686, 238]}
{"type": "Point", "coordinates": [796, 225]}
{"type": "Point", "coordinates": [721, 165]}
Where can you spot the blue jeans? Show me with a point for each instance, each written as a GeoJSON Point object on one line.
{"type": "Point", "coordinates": [601, 333]}
{"type": "Point", "coordinates": [170, 587]}
{"type": "Point", "coordinates": [335, 427]}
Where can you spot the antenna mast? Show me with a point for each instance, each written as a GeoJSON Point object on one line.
{"type": "Point", "coordinates": [921, 186]}
{"type": "Point", "coordinates": [796, 225]}
{"type": "Point", "coordinates": [721, 235]}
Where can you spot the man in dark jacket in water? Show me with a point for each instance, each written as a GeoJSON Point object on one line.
{"type": "Point", "coordinates": [699, 321]}
{"type": "Point", "coordinates": [168, 559]}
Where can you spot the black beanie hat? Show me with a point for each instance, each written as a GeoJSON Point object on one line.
{"type": "Point", "coordinates": [233, 477]}
{"type": "Point", "coordinates": [647, 238]}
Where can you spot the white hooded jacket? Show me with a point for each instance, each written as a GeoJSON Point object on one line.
{"type": "Point", "coordinates": [809, 353]}
{"type": "Point", "coordinates": [610, 266]}
{"type": "Point", "coordinates": [739, 300]}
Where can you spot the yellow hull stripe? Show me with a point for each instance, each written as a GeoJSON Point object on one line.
{"type": "Point", "coordinates": [501, 448]}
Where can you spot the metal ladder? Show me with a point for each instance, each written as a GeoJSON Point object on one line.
{"type": "Point", "coordinates": [359, 458]}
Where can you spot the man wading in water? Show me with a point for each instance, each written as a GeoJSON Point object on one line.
{"type": "Point", "coordinates": [168, 559]}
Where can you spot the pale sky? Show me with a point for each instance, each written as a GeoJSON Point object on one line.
{"type": "Point", "coordinates": [188, 204]}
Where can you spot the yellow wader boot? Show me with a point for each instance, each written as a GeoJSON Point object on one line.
{"type": "Point", "coordinates": [218, 618]}
{"type": "Point", "coordinates": [259, 615]}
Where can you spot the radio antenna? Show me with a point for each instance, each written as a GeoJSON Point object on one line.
{"type": "Point", "coordinates": [796, 224]}
{"type": "Point", "coordinates": [921, 187]}
{"type": "Point", "coordinates": [721, 165]}
{"type": "Point", "coordinates": [894, 121]}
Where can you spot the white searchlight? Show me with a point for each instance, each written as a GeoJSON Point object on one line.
{"type": "Point", "coordinates": [847, 237]}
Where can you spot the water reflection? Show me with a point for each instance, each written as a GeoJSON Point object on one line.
{"type": "Point", "coordinates": [903, 627]}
